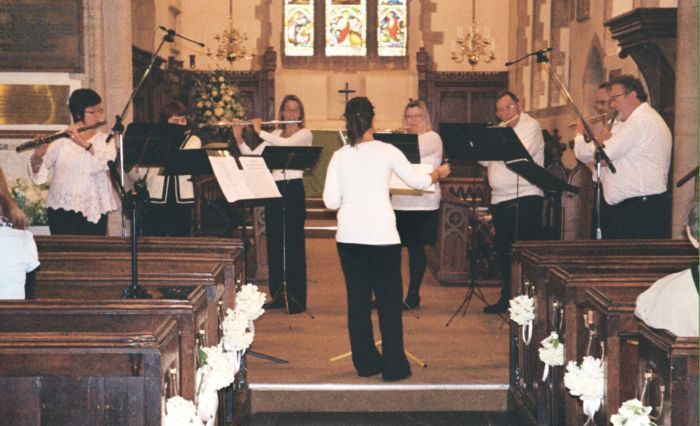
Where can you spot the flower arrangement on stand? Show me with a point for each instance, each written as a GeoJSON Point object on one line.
{"type": "Point", "coordinates": [181, 412]}
{"type": "Point", "coordinates": [522, 312]}
{"type": "Point", "coordinates": [632, 413]}
{"type": "Point", "coordinates": [32, 200]}
{"type": "Point", "coordinates": [587, 382]}
{"type": "Point", "coordinates": [551, 353]}
{"type": "Point", "coordinates": [216, 99]}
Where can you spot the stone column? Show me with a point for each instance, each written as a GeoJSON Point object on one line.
{"type": "Point", "coordinates": [685, 144]}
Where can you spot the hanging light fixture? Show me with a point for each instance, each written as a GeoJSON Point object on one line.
{"type": "Point", "coordinates": [230, 41]}
{"type": "Point", "coordinates": [475, 46]}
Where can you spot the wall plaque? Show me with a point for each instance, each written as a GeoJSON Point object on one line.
{"type": "Point", "coordinates": [34, 104]}
{"type": "Point", "coordinates": [41, 35]}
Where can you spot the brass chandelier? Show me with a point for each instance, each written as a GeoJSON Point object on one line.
{"type": "Point", "coordinates": [474, 46]}
{"type": "Point", "coordinates": [230, 42]}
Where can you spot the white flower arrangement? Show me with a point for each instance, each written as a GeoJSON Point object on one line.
{"type": "Point", "coordinates": [632, 413]}
{"type": "Point", "coordinates": [250, 301]}
{"type": "Point", "coordinates": [218, 367]}
{"type": "Point", "coordinates": [551, 353]}
{"type": "Point", "coordinates": [522, 312]}
{"type": "Point", "coordinates": [181, 412]}
{"type": "Point", "coordinates": [587, 382]}
{"type": "Point", "coordinates": [238, 331]}
{"type": "Point", "coordinates": [32, 200]}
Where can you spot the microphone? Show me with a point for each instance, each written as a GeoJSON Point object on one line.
{"type": "Point", "coordinates": [172, 33]}
{"type": "Point", "coordinates": [537, 53]}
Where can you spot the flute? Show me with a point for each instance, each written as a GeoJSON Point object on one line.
{"type": "Point", "coordinates": [248, 123]}
{"type": "Point", "coordinates": [50, 138]}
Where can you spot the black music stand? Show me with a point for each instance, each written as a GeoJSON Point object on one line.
{"type": "Point", "coordinates": [289, 158]}
{"type": "Point", "coordinates": [480, 142]}
{"type": "Point", "coordinates": [405, 142]}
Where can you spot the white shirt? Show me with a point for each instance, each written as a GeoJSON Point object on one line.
{"type": "Point", "coordinates": [18, 255]}
{"type": "Point", "coordinates": [157, 183]}
{"type": "Point", "coordinates": [80, 180]}
{"type": "Point", "coordinates": [303, 137]}
{"type": "Point", "coordinates": [505, 184]}
{"type": "Point", "coordinates": [357, 183]}
{"type": "Point", "coordinates": [640, 149]}
{"type": "Point", "coordinates": [671, 304]}
{"type": "Point", "coordinates": [430, 148]}
{"type": "Point", "coordinates": [583, 149]}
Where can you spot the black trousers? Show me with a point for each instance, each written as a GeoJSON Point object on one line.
{"type": "Point", "coordinates": [514, 220]}
{"type": "Point", "coordinates": [168, 219]}
{"type": "Point", "coordinates": [377, 269]}
{"type": "Point", "coordinates": [638, 218]}
{"type": "Point", "coordinates": [293, 201]}
{"type": "Point", "coordinates": [64, 222]}
{"type": "Point", "coordinates": [417, 228]}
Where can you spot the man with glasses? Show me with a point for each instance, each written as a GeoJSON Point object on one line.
{"type": "Point", "coordinates": [640, 149]}
{"type": "Point", "coordinates": [516, 204]}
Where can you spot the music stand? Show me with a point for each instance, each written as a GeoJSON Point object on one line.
{"type": "Point", "coordinates": [405, 142]}
{"type": "Point", "coordinates": [289, 158]}
{"type": "Point", "coordinates": [480, 142]}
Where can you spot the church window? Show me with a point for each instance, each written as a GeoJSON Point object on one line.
{"type": "Point", "coordinates": [346, 28]}
{"type": "Point", "coordinates": [392, 32]}
{"type": "Point", "coordinates": [299, 27]}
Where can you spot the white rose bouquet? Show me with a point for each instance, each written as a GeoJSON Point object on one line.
{"type": "Point", "coordinates": [181, 412]}
{"type": "Point", "coordinates": [216, 99]}
{"type": "Point", "coordinates": [522, 312]}
{"type": "Point", "coordinates": [587, 382]}
{"type": "Point", "coordinates": [250, 301]}
{"type": "Point", "coordinates": [218, 366]}
{"type": "Point", "coordinates": [551, 353]}
{"type": "Point", "coordinates": [632, 413]}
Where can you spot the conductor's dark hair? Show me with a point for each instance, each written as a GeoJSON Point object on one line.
{"type": "Point", "coordinates": [296, 99]}
{"type": "Point", "coordinates": [81, 99]}
{"type": "Point", "coordinates": [604, 85]}
{"type": "Point", "coordinates": [173, 108]}
{"type": "Point", "coordinates": [504, 93]}
{"type": "Point", "coordinates": [359, 115]}
{"type": "Point", "coordinates": [693, 220]}
{"type": "Point", "coordinates": [631, 84]}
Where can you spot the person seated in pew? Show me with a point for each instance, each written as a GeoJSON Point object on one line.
{"type": "Point", "coordinates": [19, 255]}
{"type": "Point", "coordinates": [672, 302]}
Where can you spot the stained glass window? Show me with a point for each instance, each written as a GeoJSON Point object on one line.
{"type": "Point", "coordinates": [299, 27]}
{"type": "Point", "coordinates": [346, 28]}
{"type": "Point", "coordinates": [391, 27]}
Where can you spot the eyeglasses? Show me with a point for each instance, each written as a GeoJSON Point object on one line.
{"type": "Point", "coordinates": [95, 111]}
{"type": "Point", "coordinates": [413, 116]}
{"type": "Point", "coordinates": [291, 110]}
{"type": "Point", "coordinates": [505, 109]}
{"type": "Point", "coordinates": [602, 102]}
{"type": "Point", "coordinates": [613, 97]}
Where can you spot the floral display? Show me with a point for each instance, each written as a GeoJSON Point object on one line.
{"type": "Point", "coordinates": [216, 99]}
{"type": "Point", "coordinates": [181, 412]}
{"type": "Point", "coordinates": [587, 382]}
{"type": "Point", "coordinates": [250, 301]}
{"type": "Point", "coordinates": [238, 333]}
{"type": "Point", "coordinates": [632, 413]}
{"type": "Point", "coordinates": [522, 309]}
{"type": "Point", "coordinates": [551, 353]}
{"type": "Point", "coordinates": [32, 200]}
{"type": "Point", "coordinates": [218, 365]}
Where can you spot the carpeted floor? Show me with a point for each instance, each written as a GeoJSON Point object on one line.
{"type": "Point", "coordinates": [467, 362]}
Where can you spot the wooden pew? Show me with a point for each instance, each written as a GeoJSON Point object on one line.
{"type": "Point", "coordinates": [52, 315]}
{"type": "Point", "coordinates": [105, 279]}
{"type": "Point", "coordinates": [614, 333]}
{"type": "Point", "coordinates": [530, 269]}
{"type": "Point", "coordinates": [229, 251]}
{"type": "Point", "coordinates": [91, 376]}
{"type": "Point", "coordinates": [671, 362]}
{"type": "Point", "coordinates": [566, 289]}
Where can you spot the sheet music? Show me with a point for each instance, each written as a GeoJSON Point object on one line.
{"type": "Point", "coordinates": [256, 172]}
{"type": "Point", "coordinates": [399, 187]}
{"type": "Point", "coordinates": [237, 184]}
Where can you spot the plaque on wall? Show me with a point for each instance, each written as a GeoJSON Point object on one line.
{"type": "Point", "coordinates": [34, 104]}
{"type": "Point", "coordinates": [41, 35]}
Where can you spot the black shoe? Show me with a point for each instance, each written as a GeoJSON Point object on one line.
{"type": "Point", "coordinates": [412, 302]}
{"type": "Point", "coordinates": [499, 308]}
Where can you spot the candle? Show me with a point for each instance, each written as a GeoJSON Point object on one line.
{"type": "Point", "coordinates": [460, 32]}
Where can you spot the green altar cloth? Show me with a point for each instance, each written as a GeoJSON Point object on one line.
{"type": "Point", "coordinates": [315, 178]}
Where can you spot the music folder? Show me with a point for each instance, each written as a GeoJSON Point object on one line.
{"type": "Point", "coordinates": [152, 145]}
{"type": "Point", "coordinates": [407, 143]}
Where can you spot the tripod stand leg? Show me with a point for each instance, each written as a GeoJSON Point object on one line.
{"type": "Point", "coordinates": [267, 357]}
{"type": "Point", "coordinates": [416, 360]}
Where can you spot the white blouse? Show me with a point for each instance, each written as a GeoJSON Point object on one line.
{"type": "Point", "coordinates": [18, 255]}
{"type": "Point", "coordinates": [303, 137]}
{"type": "Point", "coordinates": [80, 181]}
{"type": "Point", "coordinates": [357, 183]}
{"type": "Point", "coordinates": [430, 147]}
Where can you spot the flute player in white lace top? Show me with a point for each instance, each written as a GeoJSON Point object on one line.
{"type": "Point", "coordinates": [80, 191]}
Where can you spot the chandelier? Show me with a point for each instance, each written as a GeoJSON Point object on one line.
{"type": "Point", "coordinates": [230, 42]}
{"type": "Point", "coordinates": [475, 46]}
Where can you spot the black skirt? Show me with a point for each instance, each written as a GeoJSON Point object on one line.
{"type": "Point", "coordinates": [417, 227]}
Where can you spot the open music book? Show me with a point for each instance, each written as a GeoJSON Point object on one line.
{"type": "Point", "coordinates": [251, 181]}
{"type": "Point", "coordinates": [399, 187]}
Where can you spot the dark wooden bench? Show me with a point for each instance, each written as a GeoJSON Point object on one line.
{"type": "Point", "coordinates": [92, 376]}
{"type": "Point", "coordinates": [672, 362]}
{"type": "Point", "coordinates": [186, 306]}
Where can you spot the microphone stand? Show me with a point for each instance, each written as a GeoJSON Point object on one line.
{"type": "Point", "coordinates": [600, 154]}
